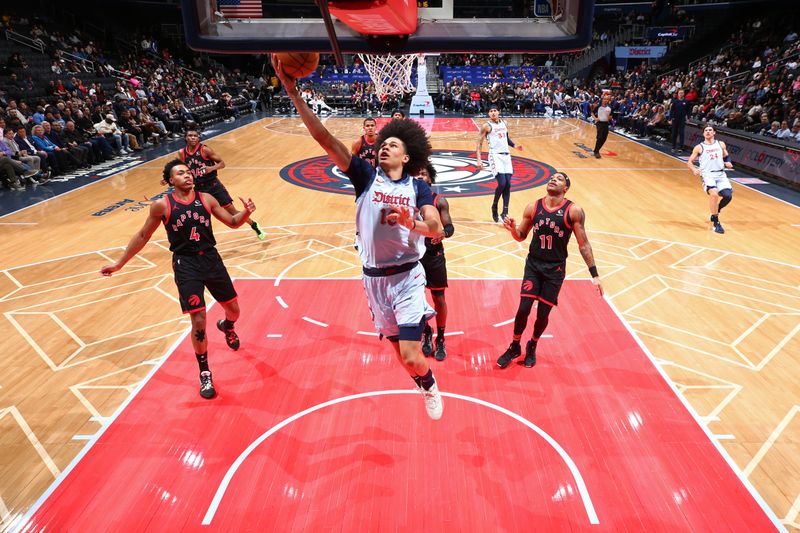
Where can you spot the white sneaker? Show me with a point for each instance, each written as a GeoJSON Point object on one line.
{"type": "Point", "coordinates": [433, 401]}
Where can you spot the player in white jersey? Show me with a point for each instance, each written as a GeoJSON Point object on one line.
{"type": "Point", "coordinates": [714, 159]}
{"type": "Point", "coordinates": [394, 214]}
{"type": "Point", "coordinates": [496, 133]}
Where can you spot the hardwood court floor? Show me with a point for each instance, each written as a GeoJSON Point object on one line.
{"type": "Point", "coordinates": [718, 312]}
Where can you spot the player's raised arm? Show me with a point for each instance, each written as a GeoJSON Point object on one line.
{"type": "Point", "coordinates": [157, 211]}
{"type": "Point", "coordinates": [520, 233]}
{"type": "Point", "coordinates": [210, 153]}
{"type": "Point", "coordinates": [335, 148]}
{"type": "Point", "coordinates": [234, 220]}
{"type": "Point", "coordinates": [578, 219]}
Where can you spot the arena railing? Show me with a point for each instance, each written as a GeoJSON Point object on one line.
{"type": "Point", "coordinates": [25, 41]}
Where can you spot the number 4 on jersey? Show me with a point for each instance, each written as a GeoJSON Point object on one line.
{"type": "Point", "coordinates": [194, 236]}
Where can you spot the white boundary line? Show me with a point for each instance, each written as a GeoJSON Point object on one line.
{"type": "Point", "coordinates": [223, 486]}
{"type": "Point", "coordinates": [93, 440]}
{"type": "Point", "coordinates": [753, 492]}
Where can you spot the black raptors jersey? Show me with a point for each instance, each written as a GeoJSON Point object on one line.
{"type": "Point", "coordinates": [430, 248]}
{"type": "Point", "coordinates": [551, 232]}
{"type": "Point", "coordinates": [367, 151]}
{"type": "Point", "coordinates": [188, 225]}
{"type": "Point", "coordinates": [197, 165]}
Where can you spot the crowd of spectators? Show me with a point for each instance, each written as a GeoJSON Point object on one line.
{"type": "Point", "coordinates": [134, 100]}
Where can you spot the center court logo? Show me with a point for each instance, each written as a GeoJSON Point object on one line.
{"type": "Point", "coordinates": [456, 174]}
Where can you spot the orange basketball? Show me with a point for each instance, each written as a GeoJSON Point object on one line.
{"type": "Point", "coordinates": [298, 64]}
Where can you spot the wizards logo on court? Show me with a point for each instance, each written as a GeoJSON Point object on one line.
{"type": "Point", "coordinates": [456, 174]}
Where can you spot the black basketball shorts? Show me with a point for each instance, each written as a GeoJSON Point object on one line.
{"type": "Point", "coordinates": [216, 189]}
{"type": "Point", "coordinates": [543, 281]}
{"type": "Point", "coordinates": [435, 271]}
{"type": "Point", "coordinates": [194, 273]}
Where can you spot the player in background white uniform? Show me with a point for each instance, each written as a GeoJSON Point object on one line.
{"type": "Point", "coordinates": [394, 214]}
{"type": "Point", "coordinates": [714, 159]}
{"type": "Point", "coordinates": [496, 133]}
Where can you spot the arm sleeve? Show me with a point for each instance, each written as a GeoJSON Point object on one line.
{"type": "Point", "coordinates": [510, 142]}
{"type": "Point", "coordinates": [424, 194]}
{"type": "Point", "coordinates": [360, 173]}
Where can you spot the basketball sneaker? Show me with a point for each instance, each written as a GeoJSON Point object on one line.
{"type": "Point", "coordinates": [427, 341]}
{"type": "Point", "coordinates": [441, 353]}
{"type": "Point", "coordinates": [261, 235]}
{"type": "Point", "coordinates": [530, 354]}
{"type": "Point", "coordinates": [207, 390]}
{"type": "Point", "coordinates": [509, 355]}
{"type": "Point", "coordinates": [495, 218]}
{"type": "Point", "coordinates": [433, 401]}
{"type": "Point", "coordinates": [718, 227]}
{"type": "Point", "coordinates": [231, 338]}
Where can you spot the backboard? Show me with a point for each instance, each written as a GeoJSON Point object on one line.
{"type": "Point", "coordinates": [442, 26]}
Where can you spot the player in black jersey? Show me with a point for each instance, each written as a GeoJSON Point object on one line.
{"type": "Point", "coordinates": [186, 215]}
{"type": "Point", "coordinates": [204, 163]}
{"type": "Point", "coordinates": [553, 219]}
{"type": "Point", "coordinates": [435, 267]}
{"type": "Point", "coordinates": [366, 148]}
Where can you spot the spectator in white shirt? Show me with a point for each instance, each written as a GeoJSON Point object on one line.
{"type": "Point", "coordinates": [784, 131]}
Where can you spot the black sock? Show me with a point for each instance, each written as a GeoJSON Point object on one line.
{"type": "Point", "coordinates": [515, 344]}
{"type": "Point", "coordinates": [440, 332]}
{"type": "Point", "coordinates": [228, 324]}
{"type": "Point", "coordinates": [417, 380]}
{"type": "Point", "coordinates": [202, 361]}
{"type": "Point", "coordinates": [254, 225]}
{"type": "Point", "coordinates": [714, 218]}
{"type": "Point", "coordinates": [427, 381]}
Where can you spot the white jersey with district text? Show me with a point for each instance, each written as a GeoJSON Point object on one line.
{"type": "Point", "coordinates": [711, 158]}
{"type": "Point", "coordinates": [497, 137]}
{"type": "Point", "coordinates": [384, 243]}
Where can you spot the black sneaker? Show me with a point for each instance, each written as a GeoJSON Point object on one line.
{"type": "Point", "coordinates": [718, 227]}
{"type": "Point", "coordinates": [512, 353]}
{"type": "Point", "coordinates": [441, 353]}
{"type": "Point", "coordinates": [230, 335]}
{"type": "Point", "coordinates": [530, 354]}
{"type": "Point", "coordinates": [207, 389]}
{"type": "Point", "coordinates": [427, 341]}
{"type": "Point", "coordinates": [494, 214]}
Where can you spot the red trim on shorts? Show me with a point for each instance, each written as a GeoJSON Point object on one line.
{"type": "Point", "coordinates": [191, 311]}
{"type": "Point", "coordinates": [229, 301]}
{"type": "Point", "coordinates": [551, 304]}
{"type": "Point", "coordinates": [437, 288]}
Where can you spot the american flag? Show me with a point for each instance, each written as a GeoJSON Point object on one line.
{"type": "Point", "coordinates": [240, 9]}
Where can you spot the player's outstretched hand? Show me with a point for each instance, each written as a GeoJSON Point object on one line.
{"type": "Point", "coordinates": [400, 215]}
{"type": "Point", "coordinates": [598, 285]}
{"type": "Point", "coordinates": [289, 83]}
{"type": "Point", "coordinates": [109, 269]}
{"type": "Point", "coordinates": [249, 206]}
{"type": "Point", "coordinates": [510, 224]}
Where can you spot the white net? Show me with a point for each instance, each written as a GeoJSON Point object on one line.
{"type": "Point", "coordinates": [391, 74]}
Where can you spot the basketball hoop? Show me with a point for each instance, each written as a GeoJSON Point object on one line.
{"type": "Point", "coordinates": [391, 74]}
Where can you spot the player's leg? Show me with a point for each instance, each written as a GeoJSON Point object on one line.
{"type": "Point", "coordinates": [221, 288]}
{"type": "Point", "coordinates": [713, 206]}
{"type": "Point", "coordinates": [552, 280]}
{"type": "Point", "coordinates": [499, 191]}
{"type": "Point", "coordinates": [427, 263]}
{"type": "Point", "coordinates": [727, 196]}
{"type": "Point", "coordinates": [440, 305]}
{"type": "Point", "coordinates": [189, 280]}
{"type": "Point", "coordinates": [219, 192]}
{"type": "Point", "coordinates": [506, 196]}
{"type": "Point", "coordinates": [529, 291]}
{"type": "Point", "coordinates": [411, 311]}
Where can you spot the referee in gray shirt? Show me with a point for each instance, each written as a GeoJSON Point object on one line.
{"type": "Point", "coordinates": [601, 115]}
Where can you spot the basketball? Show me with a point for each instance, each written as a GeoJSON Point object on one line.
{"type": "Point", "coordinates": [298, 64]}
